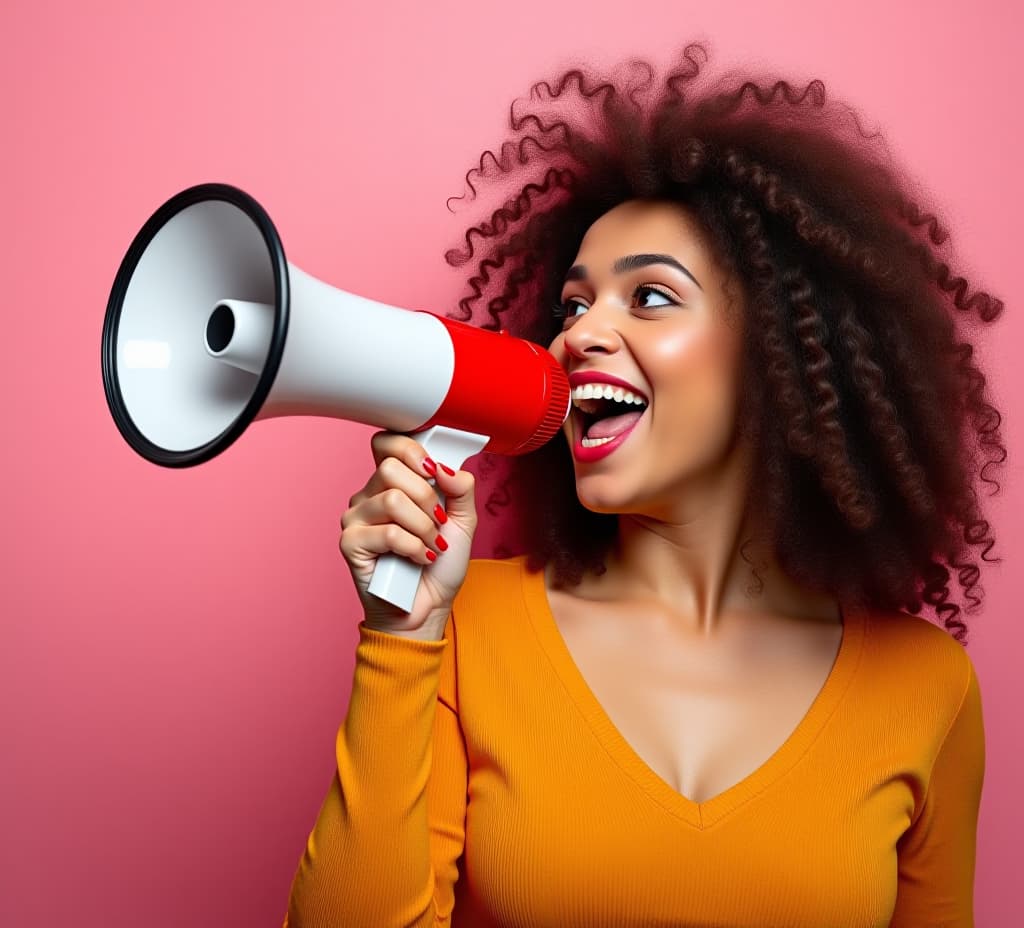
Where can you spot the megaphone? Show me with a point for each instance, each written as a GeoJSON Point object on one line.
{"type": "Point", "coordinates": [209, 328]}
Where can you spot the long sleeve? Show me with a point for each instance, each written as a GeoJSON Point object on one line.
{"type": "Point", "coordinates": [937, 853]}
{"type": "Point", "coordinates": [386, 842]}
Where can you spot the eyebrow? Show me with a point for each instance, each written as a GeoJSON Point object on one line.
{"type": "Point", "coordinates": [631, 263]}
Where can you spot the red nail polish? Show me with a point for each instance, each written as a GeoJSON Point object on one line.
{"type": "Point", "coordinates": [430, 467]}
{"type": "Point", "coordinates": [447, 470]}
{"type": "Point", "coordinates": [440, 514]}
{"type": "Point", "coordinates": [431, 556]}
{"type": "Point", "coordinates": [441, 543]}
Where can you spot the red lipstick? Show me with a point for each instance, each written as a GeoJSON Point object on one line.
{"type": "Point", "coordinates": [588, 455]}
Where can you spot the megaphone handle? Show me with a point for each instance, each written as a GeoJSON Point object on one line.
{"type": "Point", "coordinates": [395, 579]}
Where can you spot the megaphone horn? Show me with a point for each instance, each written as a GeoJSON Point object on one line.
{"type": "Point", "coordinates": [208, 328]}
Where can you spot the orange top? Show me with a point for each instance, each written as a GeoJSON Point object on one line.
{"type": "Point", "coordinates": [480, 783]}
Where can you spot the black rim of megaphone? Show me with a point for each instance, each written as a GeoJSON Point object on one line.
{"type": "Point", "coordinates": [115, 401]}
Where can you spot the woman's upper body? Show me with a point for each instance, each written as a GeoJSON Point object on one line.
{"type": "Point", "coordinates": [484, 781]}
{"type": "Point", "coordinates": [708, 708]}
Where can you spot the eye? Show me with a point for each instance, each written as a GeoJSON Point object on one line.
{"type": "Point", "coordinates": [568, 309]}
{"type": "Point", "coordinates": [643, 292]}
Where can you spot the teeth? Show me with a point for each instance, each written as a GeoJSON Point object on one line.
{"type": "Point", "coordinates": [594, 442]}
{"type": "Point", "coordinates": [596, 391]}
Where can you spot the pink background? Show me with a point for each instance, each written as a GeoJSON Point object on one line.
{"type": "Point", "coordinates": [177, 645]}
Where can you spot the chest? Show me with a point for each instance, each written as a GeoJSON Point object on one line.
{"type": "Point", "coordinates": [702, 717]}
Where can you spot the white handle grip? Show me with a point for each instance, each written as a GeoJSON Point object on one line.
{"type": "Point", "coordinates": [395, 579]}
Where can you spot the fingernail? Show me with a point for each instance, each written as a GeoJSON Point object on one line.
{"type": "Point", "coordinates": [431, 556]}
{"type": "Point", "coordinates": [447, 470]}
{"type": "Point", "coordinates": [430, 467]}
{"type": "Point", "coordinates": [441, 543]}
{"type": "Point", "coordinates": [440, 514]}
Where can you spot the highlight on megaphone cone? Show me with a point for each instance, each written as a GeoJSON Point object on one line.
{"type": "Point", "coordinates": [209, 327]}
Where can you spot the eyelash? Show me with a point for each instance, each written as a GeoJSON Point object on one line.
{"type": "Point", "coordinates": [560, 312]}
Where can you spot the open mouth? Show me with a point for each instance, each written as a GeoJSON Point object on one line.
{"type": "Point", "coordinates": [604, 412]}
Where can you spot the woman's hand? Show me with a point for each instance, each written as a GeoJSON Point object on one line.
{"type": "Point", "coordinates": [399, 512]}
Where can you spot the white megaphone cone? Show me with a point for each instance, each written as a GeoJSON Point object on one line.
{"type": "Point", "coordinates": [209, 327]}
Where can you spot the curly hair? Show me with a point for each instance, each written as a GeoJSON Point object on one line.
{"type": "Point", "coordinates": [869, 415]}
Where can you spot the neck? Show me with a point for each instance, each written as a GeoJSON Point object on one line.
{"type": "Point", "coordinates": [696, 562]}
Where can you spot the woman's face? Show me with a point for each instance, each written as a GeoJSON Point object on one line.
{"type": "Point", "coordinates": [645, 313]}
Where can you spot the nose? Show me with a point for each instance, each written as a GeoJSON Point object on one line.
{"type": "Point", "coordinates": [593, 333]}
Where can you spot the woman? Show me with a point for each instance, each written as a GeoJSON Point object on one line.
{"type": "Point", "coordinates": [700, 695]}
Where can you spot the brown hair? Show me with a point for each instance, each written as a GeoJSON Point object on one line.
{"type": "Point", "coordinates": [862, 395]}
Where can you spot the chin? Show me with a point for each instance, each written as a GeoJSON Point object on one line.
{"type": "Point", "coordinates": [608, 500]}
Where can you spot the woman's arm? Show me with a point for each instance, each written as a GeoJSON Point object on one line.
{"type": "Point", "coordinates": [936, 855]}
{"type": "Point", "coordinates": [384, 847]}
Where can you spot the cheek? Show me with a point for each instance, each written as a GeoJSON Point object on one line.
{"type": "Point", "coordinates": [700, 373]}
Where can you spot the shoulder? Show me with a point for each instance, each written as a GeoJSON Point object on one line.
{"type": "Point", "coordinates": [913, 635]}
{"type": "Point", "coordinates": [492, 586]}
{"type": "Point", "coordinates": [910, 655]}
{"type": "Point", "coordinates": [483, 570]}
{"type": "Point", "coordinates": [495, 605]}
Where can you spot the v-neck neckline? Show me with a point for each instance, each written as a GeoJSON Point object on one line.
{"type": "Point", "coordinates": [698, 814]}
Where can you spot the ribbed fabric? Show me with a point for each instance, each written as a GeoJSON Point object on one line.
{"type": "Point", "coordinates": [481, 784]}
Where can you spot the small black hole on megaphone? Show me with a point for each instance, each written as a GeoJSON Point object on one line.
{"type": "Point", "coordinates": [220, 328]}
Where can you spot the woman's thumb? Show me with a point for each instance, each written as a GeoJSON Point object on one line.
{"type": "Point", "coordinates": [458, 488]}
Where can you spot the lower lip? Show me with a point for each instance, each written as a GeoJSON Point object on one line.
{"type": "Point", "coordinates": [597, 452]}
